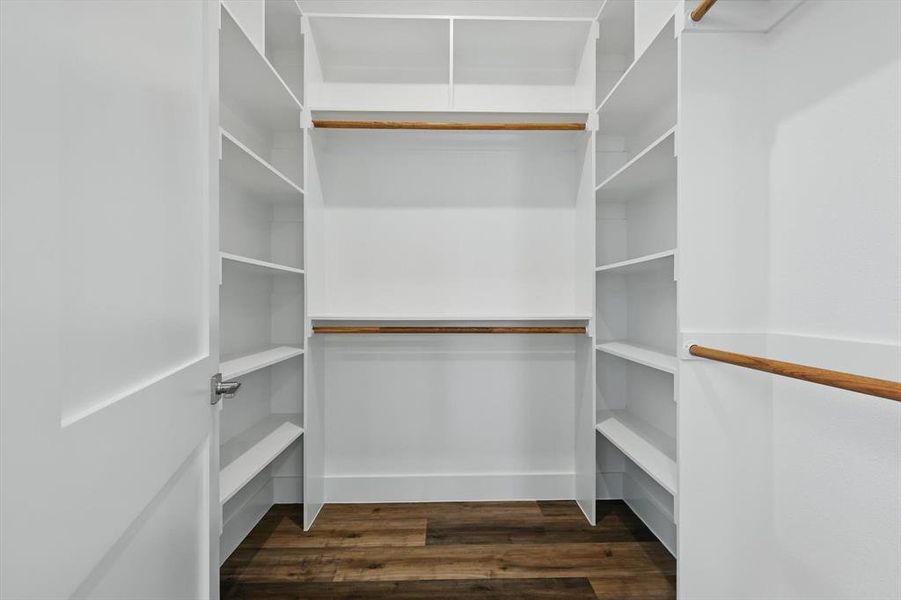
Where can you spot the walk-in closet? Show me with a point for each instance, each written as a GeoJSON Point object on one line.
{"type": "Point", "coordinates": [451, 299]}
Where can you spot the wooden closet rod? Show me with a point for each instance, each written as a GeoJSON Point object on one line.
{"type": "Point", "coordinates": [846, 381]}
{"type": "Point", "coordinates": [701, 9]}
{"type": "Point", "coordinates": [337, 124]}
{"type": "Point", "coordinates": [433, 329]}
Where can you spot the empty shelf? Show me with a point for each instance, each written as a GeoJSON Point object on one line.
{"type": "Point", "coordinates": [248, 363]}
{"type": "Point", "coordinates": [643, 356]}
{"type": "Point", "coordinates": [248, 81]}
{"type": "Point", "coordinates": [647, 447]}
{"type": "Point", "coordinates": [243, 167]}
{"type": "Point", "coordinates": [646, 86]}
{"type": "Point", "coordinates": [647, 169]}
{"type": "Point", "coordinates": [251, 451]}
{"type": "Point", "coordinates": [262, 264]}
{"type": "Point", "coordinates": [636, 265]}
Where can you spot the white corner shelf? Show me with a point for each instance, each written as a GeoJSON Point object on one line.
{"type": "Point", "coordinates": [647, 447]}
{"type": "Point", "coordinates": [636, 265]}
{"type": "Point", "coordinates": [251, 451]}
{"type": "Point", "coordinates": [648, 83]}
{"type": "Point", "coordinates": [641, 355]}
{"type": "Point", "coordinates": [262, 264]}
{"type": "Point", "coordinates": [254, 361]}
{"type": "Point", "coordinates": [645, 170]}
{"type": "Point", "coordinates": [248, 81]}
{"type": "Point", "coordinates": [244, 167]}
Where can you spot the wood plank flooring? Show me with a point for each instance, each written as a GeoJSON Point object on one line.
{"type": "Point", "coordinates": [459, 550]}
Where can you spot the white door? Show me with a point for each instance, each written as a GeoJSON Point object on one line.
{"type": "Point", "coordinates": [108, 323]}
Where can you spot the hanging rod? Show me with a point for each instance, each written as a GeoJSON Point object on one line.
{"type": "Point", "coordinates": [701, 9]}
{"type": "Point", "coordinates": [428, 329]}
{"type": "Point", "coordinates": [520, 126]}
{"type": "Point", "coordinates": [846, 381]}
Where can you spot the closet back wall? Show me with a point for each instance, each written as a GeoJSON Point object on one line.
{"type": "Point", "coordinates": [454, 226]}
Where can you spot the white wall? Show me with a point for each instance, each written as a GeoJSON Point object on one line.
{"type": "Point", "coordinates": [835, 297]}
{"type": "Point", "coordinates": [475, 417]}
{"type": "Point", "coordinates": [790, 237]}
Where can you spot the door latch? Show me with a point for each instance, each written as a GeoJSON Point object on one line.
{"type": "Point", "coordinates": [220, 389]}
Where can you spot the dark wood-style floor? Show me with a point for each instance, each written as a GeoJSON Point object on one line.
{"type": "Point", "coordinates": [459, 550]}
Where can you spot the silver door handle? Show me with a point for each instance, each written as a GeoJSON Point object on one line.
{"type": "Point", "coordinates": [219, 388]}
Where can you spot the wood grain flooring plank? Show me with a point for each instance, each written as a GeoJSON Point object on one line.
{"type": "Point", "coordinates": [262, 565]}
{"type": "Point", "coordinates": [352, 533]}
{"type": "Point", "coordinates": [522, 561]}
{"type": "Point", "coordinates": [456, 589]}
{"type": "Point", "coordinates": [645, 587]}
{"type": "Point", "coordinates": [560, 508]}
{"type": "Point", "coordinates": [557, 530]}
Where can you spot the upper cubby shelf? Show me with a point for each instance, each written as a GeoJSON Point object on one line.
{"type": "Point", "coordinates": [647, 89]}
{"type": "Point", "coordinates": [249, 84]}
{"type": "Point", "coordinates": [528, 64]}
{"type": "Point", "coordinates": [451, 63]}
{"type": "Point", "coordinates": [387, 61]}
{"type": "Point", "coordinates": [616, 44]}
{"type": "Point", "coordinates": [284, 42]}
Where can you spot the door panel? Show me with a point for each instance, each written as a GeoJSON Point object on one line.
{"type": "Point", "coordinates": [107, 246]}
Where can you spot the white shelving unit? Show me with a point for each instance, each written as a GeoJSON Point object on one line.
{"type": "Point", "coordinates": [636, 272]}
{"type": "Point", "coordinates": [262, 287]}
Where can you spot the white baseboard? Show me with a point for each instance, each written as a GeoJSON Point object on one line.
{"type": "Point", "coordinates": [287, 489]}
{"type": "Point", "coordinates": [450, 488]}
{"type": "Point", "coordinates": [609, 486]}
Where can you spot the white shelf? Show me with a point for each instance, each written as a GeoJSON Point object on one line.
{"type": "Point", "coordinates": [641, 355]}
{"type": "Point", "coordinates": [244, 167]}
{"type": "Point", "coordinates": [645, 170]}
{"type": "Point", "coordinates": [248, 363]}
{"type": "Point", "coordinates": [636, 265]}
{"type": "Point", "coordinates": [251, 451]}
{"type": "Point", "coordinates": [262, 264]}
{"type": "Point", "coordinates": [249, 82]}
{"type": "Point", "coordinates": [455, 115]}
{"type": "Point", "coordinates": [648, 84]}
{"type": "Point", "coordinates": [644, 445]}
